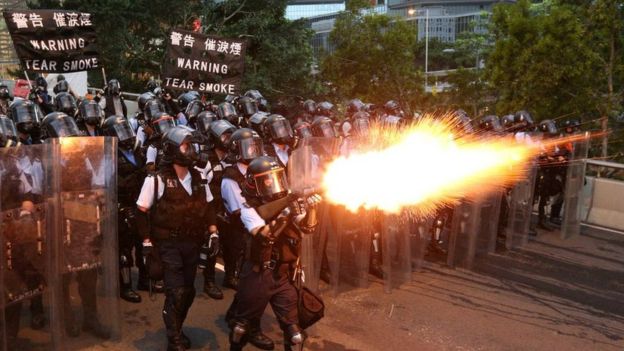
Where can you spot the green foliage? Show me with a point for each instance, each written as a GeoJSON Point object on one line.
{"type": "Point", "coordinates": [541, 62]}
{"type": "Point", "coordinates": [374, 60]}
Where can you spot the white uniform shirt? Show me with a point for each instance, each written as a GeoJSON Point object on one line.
{"type": "Point", "coordinates": [233, 200]}
{"type": "Point", "coordinates": [281, 153]}
{"type": "Point", "coordinates": [151, 154]}
{"type": "Point", "coordinates": [33, 170]}
{"type": "Point", "coordinates": [146, 197]}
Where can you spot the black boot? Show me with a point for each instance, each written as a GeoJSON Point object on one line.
{"type": "Point", "coordinates": [375, 268]}
{"type": "Point", "coordinates": [38, 319]}
{"type": "Point", "coordinates": [294, 338]}
{"type": "Point", "coordinates": [213, 290]}
{"type": "Point", "coordinates": [545, 225]}
{"type": "Point", "coordinates": [189, 297]}
{"type": "Point", "coordinates": [173, 313]}
{"type": "Point", "coordinates": [125, 286]}
{"type": "Point", "coordinates": [257, 338]}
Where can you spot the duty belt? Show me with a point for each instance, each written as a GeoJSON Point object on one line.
{"type": "Point", "coordinates": [164, 233]}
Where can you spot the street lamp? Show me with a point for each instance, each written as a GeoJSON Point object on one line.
{"type": "Point", "coordinates": [411, 12]}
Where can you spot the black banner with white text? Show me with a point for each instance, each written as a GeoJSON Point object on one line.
{"type": "Point", "coordinates": [54, 41]}
{"type": "Point", "coordinates": [205, 63]}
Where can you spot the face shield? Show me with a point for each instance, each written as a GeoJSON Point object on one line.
{"type": "Point", "coordinates": [193, 109]}
{"type": "Point", "coordinates": [152, 108]}
{"type": "Point", "coordinates": [250, 148]}
{"type": "Point", "coordinates": [25, 116]}
{"type": "Point", "coordinates": [114, 88]}
{"type": "Point", "coordinates": [66, 103]}
{"type": "Point", "coordinates": [248, 107]}
{"type": "Point", "coordinates": [325, 129]}
{"type": "Point", "coordinates": [162, 124]}
{"type": "Point", "coordinates": [62, 127]}
{"type": "Point", "coordinates": [125, 134]}
{"type": "Point", "coordinates": [204, 120]}
{"type": "Point", "coordinates": [281, 132]}
{"type": "Point", "coordinates": [271, 185]}
{"type": "Point", "coordinates": [303, 131]}
{"type": "Point", "coordinates": [8, 132]}
{"type": "Point", "coordinates": [91, 113]}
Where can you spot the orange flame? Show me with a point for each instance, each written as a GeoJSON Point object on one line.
{"type": "Point", "coordinates": [427, 166]}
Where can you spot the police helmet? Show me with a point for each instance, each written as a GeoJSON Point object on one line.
{"type": "Point", "coordinates": [266, 179]}
{"type": "Point", "coordinates": [278, 130]}
{"type": "Point", "coordinates": [59, 125]}
{"type": "Point", "coordinates": [178, 147]}
{"type": "Point", "coordinates": [245, 145]}
{"type": "Point", "coordinates": [91, 113]}
{"type": "Point", "coordinates": [119, 127]}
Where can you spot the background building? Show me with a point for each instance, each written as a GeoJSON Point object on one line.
{"type": "Point", "coordinates": [445, 19]}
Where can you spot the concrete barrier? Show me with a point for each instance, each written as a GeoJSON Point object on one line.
{"type": "Point", "coordinates": [605, 206]}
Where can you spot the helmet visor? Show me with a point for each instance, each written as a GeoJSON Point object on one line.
{"type": "Point", "coordinates": [163, 124]}
{"type": "Point", "coordinates": [25, 113]}
{"type": "Point", "coordinates": [271, 184]}
{"type": "Point", "coordinates": [63, 127]}
{"type": "Point", "coordinates": [281, 130]}
{"type": "Point", "coordinates": [8, 128]}
{"type": "Point", "coordinates": [251, 148]}
{"type": "Point", "coordinates": [248, 108]}
{"type": "Point", "coordinates": [193, 109]}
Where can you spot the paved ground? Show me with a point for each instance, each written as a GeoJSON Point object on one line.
{"type": "Point", "coordinates": [553, 295]}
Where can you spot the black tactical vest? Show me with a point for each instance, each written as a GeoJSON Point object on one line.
{"type": "Point", "coordinates": [129, 178]}
{"type": "Point", "coordinates": [176, 210]}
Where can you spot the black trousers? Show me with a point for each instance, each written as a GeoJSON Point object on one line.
{"type": "Point", "coordinates": [233, 242]}
{"type": "Point", "coordinates": [258, 288]}
{"type": "Point", "coordinates": [179, 257]}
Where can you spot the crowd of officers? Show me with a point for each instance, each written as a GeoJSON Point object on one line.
{"type": "Point", "coordinates": [195, 179]}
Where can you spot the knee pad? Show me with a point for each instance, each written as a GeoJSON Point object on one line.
{"type": "Point", "coordinates": [239, 331]}
{"type": "Point", "coordinates": [295, 334]}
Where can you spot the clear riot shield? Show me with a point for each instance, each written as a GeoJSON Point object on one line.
{"type": "Point", "coordinates": [464, 234]}
{"type": "Point", "coordinates": [349, 240]}
{"type": "Point", "coordinates": [488, 223]}
{"type": "Point", "coordinates": [305, 169]}
{"type": "Point", "coordinates": [25, 257]}
{"type": "Point", "coordinates": [86, 274]}
{"type": "Point", "coordinates": [419, 240]}
{"type": "Point", "coordinates": [396, 251]}
{"type": "Point", "coordinates": [520, 210]}
{"type": "Point", "coordinates": [572, 200]}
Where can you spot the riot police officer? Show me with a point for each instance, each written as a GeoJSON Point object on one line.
{"type": "Point", "coordinates": [550, 179]}
{"type": "Point", "coordinates": [66, 103]}
{"type": "Point", "coordinates": [181, 218]}
{"type": "Point", "coordinates": [247, 108]}
{"type": "Point", "coordinates": [490, 125]}
{"type": "Point", "coordinates": [90, 118]}
{"type": "Point", "coordinates": [280, 137]}
{"type": "Point", "coordinates": [244, 146]}
{"type": "Point", "coordinates": [130, 173]}
{"type": "Point", "coordinates": [228, 112]}
{"type": "Point", "coordinates": [273, 254]}
{"type": "Point", "coordinates": [62, 86]}
{"type": "Point", "coordinates": [39, 95]}
{"type": "Point", "coordinates": [263, 104]}
{"type": "Point", "coordinates": [5, 99]}
{"type": "Point", "coordinates": [112, 102]}
{"type": "Point", "coordinates": [25, 115]}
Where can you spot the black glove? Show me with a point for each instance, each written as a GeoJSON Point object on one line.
{"type": "Point", "coordinates": [151, 259]}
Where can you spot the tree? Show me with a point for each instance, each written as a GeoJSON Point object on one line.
{"type": "Point", "coordinates": [541, 62]}
{"type": "Point", "coordinates": [374, 59]}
